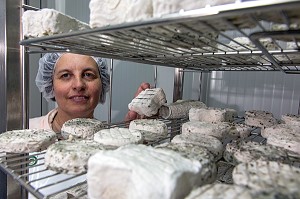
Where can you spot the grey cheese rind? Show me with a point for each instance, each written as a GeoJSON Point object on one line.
{"type": "Point", "coordinates": [139, 171]}
{"type": "Point", "coordinates": [212, 114]}
{"type": "Point", "coordinates": [201, 154]}
{"type": "Point", "coordinates": [214, 145]}
{"type": "Point", "coordinates": [260, 119]}
{"type": "Point", "coordinates": [26, 140]}
{"type": "Point", "coordinates": [179, 109]}
{"type": "Point", "coordinates": [223, 131]}
{"type": "Point", "coordinates": [116, 137]}
{"type": "Point", "coordinates": [247, 151]}
{"type": "Point", "coordinates": [227, 191]}
{"type": "Point", "coordinates": [148, 102]}
{"type": "Point", "coordinates": [49, 22]}
{"type": "Point", "coordinates": [267, 176]}
{"type": "Point", "coordinates": [283, 135]}
{"type": "Point", "coordinates": [291, 119]}
{"type": "Point", "coordinates": [81, 128]}
{"type": "Point", "coordinates": [151, 129]}
{"type": "Point", "coordinates": [71, 156]}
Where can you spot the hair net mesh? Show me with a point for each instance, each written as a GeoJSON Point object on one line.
{"type": "Point", "coordinates": [44, 77]}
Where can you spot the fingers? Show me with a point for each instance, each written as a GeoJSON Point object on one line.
{"type": "Point", "coordinates": [142, 87]}
{"type": "Point", "coordinates": [131, 115]}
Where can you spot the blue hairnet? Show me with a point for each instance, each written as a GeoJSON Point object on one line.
{"type": "Point", "coordinates": [44, 77]}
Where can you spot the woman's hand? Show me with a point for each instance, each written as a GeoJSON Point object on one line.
{"type": "Point", "coordinates": [132, 115]}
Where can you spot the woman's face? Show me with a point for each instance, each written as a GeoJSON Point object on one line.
{"type": "Point", "coordinates": [76, 85]}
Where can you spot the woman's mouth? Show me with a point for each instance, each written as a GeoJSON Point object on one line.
{"type": "Point", "coordinates": [79, 98]}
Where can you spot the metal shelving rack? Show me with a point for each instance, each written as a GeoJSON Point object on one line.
{"type": "Point", "coordinates": [18, 166]}
{"type": "Point", "coordinates": [197, 39]}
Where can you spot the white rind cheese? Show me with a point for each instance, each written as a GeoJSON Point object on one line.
{"type": "Point", "coordinates": [242, 151]}
{"type": "Point", "coordinates": [49, 22]}
{"type": "Point", "coordinates": [268, 175]}
{"type": "Point", "coordinates": [111, 12]}
{"type": "Point", "coordinates": [259, 118]}
{"type": "Point", "coordinates": [81, 128]}
{"type": "Point", "coordinates": [148, 102]}
{"type": "Point", "coordinates": [211, 143]}
{"type": "Point", "coordinates": [26, 140]}
{"type": "Point", "coordinates": [71, 156]}
{"type": "Point", "coordinates": [283, 135]}
{"type": "Point", "coordinates": [116, 137]}
{"type": "Point", "coordinates": [161, 8]}
{"type": "Point", "coordinates": [291, 119]}
{"type": "Point", "coordinates": [152, 129]}
{"type": "Point", "coordinates": [139, 171]}
{"type": "Point", "coordinates": [179, 109]}
{"type": "Point", "coordinates": [212, 114]}
{"type": "Point", "coordinates": [194, 152]}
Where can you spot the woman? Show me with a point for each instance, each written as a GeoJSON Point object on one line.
{"type": "Point", "coordinates": [77, 83]}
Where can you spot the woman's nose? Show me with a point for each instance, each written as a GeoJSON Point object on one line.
{"type": "Point", "coordinates": [78, 83]}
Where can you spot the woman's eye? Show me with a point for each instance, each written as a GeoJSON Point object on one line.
{"type": "Point", "coordinates": [64, 76]}
{"type": "Point", "coordinates": [89, 75]}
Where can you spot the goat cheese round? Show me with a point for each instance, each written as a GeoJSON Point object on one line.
{"type": "Point", "coordinates": [71, 156]}
{"type": "Point", "coordinates": [152, 129]}
{"type": "Point", "coordinates": [242, 151]}
{"type": "Point", "coordinates": [116, 137]}
{"type": "Point", "coordinates": [268, 175]}
{"type": "Point", "coordinates": [259, 118]}
{"type": "Point", "coordinates": [81, 128]}
{"type": "Point", "coordinates": [291, 119]}
{"type": "Point", "coordinates": [26, 140]}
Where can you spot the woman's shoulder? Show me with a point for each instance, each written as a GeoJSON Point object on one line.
{"type": "Point", "coordinates": [42, 122]}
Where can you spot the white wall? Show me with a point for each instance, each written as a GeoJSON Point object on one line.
{"type": "Point", "coordinates": [275, 92]}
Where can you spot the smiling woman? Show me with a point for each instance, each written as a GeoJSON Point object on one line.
{"type": "Point", "coordinates": [77, 83]}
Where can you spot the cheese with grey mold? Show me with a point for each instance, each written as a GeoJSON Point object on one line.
{"type": "Point", "coordinates": [71, 156]}
{"type": "Point", "coordinates": [291, 119]}
{"type": "Point", "coordinates": [268, 175]}
{"type": "Point", "coordinates": [247, 151]}
{"type": "Point", "coordinates": [211, 143]}
{"type": "Point", "coordinates": [283, 135]}
{"type": "Point", "coordinates": [152, 129]}
{"type": "Point", "coordinates": [148, 101]}
{"type": "Point", "coordinates": [81, 128]}
{"type": "Point", "coordinates": [26, 140]}
{"type": "Point", "coordinates": [260, 118]}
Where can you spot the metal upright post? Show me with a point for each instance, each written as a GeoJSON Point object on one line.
{"type": "Point", "coordinates": [13, 87]}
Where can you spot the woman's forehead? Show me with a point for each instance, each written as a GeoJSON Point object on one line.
{"type": "Point", "coordinates": [75, 60]}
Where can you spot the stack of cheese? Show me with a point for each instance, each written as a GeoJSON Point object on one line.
{"type": "Point", "coordinates": [210, 128]}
